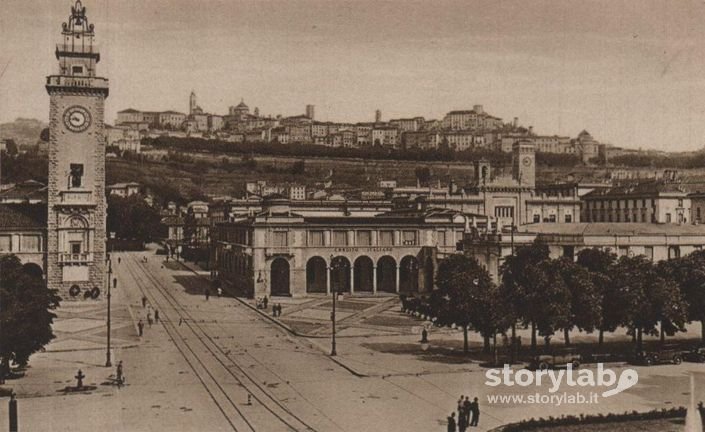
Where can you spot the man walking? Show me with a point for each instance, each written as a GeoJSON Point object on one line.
{"type": "Point", "coordinates": [475, 409]}
{"type": "Point", "coordinates": [144, 301]}
{"type": "Point", "coordinates": [156, 316]}
{"type": "Point", "coordinates": [140, 327]}
{"type": "Point", "coordinates": [208, 294]}
{"type": "Point", "coordinates": [467, 406]}
{"type": "Point", "coordinates": [119, 374]}
{"type": "Point", "coordinates": [149, 318]}
{"type": "Point", "coordinates": [451, 423]}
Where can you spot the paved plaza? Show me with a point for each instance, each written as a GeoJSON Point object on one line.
{"type": "Point", "coordinates": [217, 352]}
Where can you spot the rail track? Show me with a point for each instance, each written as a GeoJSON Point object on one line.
{"type": "Point", "coordinates": [226, 382]}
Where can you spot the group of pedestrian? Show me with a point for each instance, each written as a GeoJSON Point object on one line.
{"type": "Point", "coordinates": [468, 415]}
{"type": "Point", "coordinates": [152, 316]}
{"type": "Point", "coordinates": [276, 310]}
{"type": "Point", "coordinates": [262, 302]}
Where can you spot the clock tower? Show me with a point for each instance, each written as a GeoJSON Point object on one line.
{"type": "Point", "coordinates": [524, 163]}
{"type": "Point", "coordinates": [76, 200]}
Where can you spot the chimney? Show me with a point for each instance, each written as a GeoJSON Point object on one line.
{"type": "Point", "coordinates": [516, 122]}
{"type": "Point", "coordinates": [531, 130]}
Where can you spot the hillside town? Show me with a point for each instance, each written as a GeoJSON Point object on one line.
{"type": "Point", "coordinates": [460, 130]}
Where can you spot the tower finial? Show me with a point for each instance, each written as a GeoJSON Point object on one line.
{"type": "Point", "coordinates": [78, 22]}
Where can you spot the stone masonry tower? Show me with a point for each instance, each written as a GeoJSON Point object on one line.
{"type": "Point", "coordinates": [76, 240]}
{"type": "Point", "coordinates": [524, 163]}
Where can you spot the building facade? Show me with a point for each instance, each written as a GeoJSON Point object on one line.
{"type": "Point", "coordinates": [279, 252]}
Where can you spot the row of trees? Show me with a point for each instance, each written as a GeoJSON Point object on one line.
{"type": "Point", "coordinates": [444, 153]}
{"type": "Point", "coordinates": [598, 292]}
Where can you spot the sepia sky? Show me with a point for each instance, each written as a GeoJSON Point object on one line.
{"type": "Point", "coordinates": [630, 72]}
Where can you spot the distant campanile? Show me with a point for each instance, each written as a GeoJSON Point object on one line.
{"type": "Point", "coordinates": [378, 116]}
{"type": "Point", "coordinates": [310, 111]}
{"type": "Point", "coordinates": [76, 190]}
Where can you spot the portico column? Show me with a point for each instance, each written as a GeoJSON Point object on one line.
{"type": "Point", "coordinates": [397, 280]}
{"type": "Point", "coordinates": [374, 279]}
{"type": "Point", "coordinates": [330, 276]}
{"type": "Point", "coordinates": [352, 279]}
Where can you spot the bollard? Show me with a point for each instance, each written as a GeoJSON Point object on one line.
{"type": "Point", "coordinates": [13, 413]}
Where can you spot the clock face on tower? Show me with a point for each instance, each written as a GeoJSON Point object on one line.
{"type": "Point", "coordinates": [77, 118]}
{"type": "Point", "coordinates": [527, 161]}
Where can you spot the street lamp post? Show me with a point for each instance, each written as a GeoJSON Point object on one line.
{"type": "Point", "coordinates": [335, 267]}
{"type": "Point", "coordinates": [107, 350]}
{"type": "Point", "coordinates": [108, 363]}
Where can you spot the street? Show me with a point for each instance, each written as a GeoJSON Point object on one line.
{"type": "Point", "coordinates": [219, 365]}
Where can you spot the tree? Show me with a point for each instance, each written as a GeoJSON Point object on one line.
{"type": "Point", "coordinates": [650, 299]}
{"type": "Point", "coordinates": [462, 296]}
{"type": "Point", "coordinates": [599, 264]}
{"type": "Point", "coordinates": [585, 297]}
{"type": "Point", "coordinates": [44, 135]}
{"type": "Point", "coordinates": [547, 302]}
{"type": "Point", "coordinates": [298, 167]}
{"type": "Point", "coordinates": [11, 146]}
{"type": "Point", "coordinates": [423, 175]}
{"type": "Point", "coordinates": [26, 315]}
{"type": "Point", "coordinates": [132, 218]}
{"type": "Point", "coordinates": [516, 282]}
{"type": "Point", "coordinates": [689, 273]}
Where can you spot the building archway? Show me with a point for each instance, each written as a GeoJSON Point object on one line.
{"type": "Point", "coordinates": [428, 269]}
{"type": "Point", "coordinates": [340, 274]}
{"type": "Point", "coordinates": [279, 278]}
{"type": "Point", "coordinates": [364, 274]}
{"type": "Point", "coordinates": [33, 270]}
{"type": "Point", "coordinates": [316, 275]}
{"type": "Point", "coordinates": [409, 274]}
{"type": "Point", "coordinates": [387, 274]}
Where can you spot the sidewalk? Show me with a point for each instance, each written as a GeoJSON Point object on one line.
{"type": "Point", "coordinates": [152, 366]}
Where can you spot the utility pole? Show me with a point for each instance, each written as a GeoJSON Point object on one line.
{"type": "Point", "coordinates": [334, 270]}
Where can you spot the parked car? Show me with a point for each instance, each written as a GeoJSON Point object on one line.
{"type": "Point", "coordinates": [666, 355]}
{"type": "Point", "coordinates": [695, 355]}
{"type": "Point", "coordinates": [550, 361]}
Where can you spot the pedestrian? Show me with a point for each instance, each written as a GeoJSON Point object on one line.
{"type": "Point", "coordinates": [140, 327]}
{"type": "Point", "coordinates": [467, 406]}
{"type": "Point", "coordinates": [208, 294]}
{"type": "Point", "coordinates": [156, 316]}
{"type": "Point", "coordinates": [279, 309]}
{"type": "Point", "coordinates": [79, 379]}
{"type": "Point", "coordinates": [460, 406]}
{"type": "Point", "coordinates": [265, 300]}
{"type": "Point", "coordinates": [220, 292]}
{"type": "Point", "coordinates": [462, 422]}
{"type": "Point", "coordinates": [149, 319]}
{"type": "Point", "coordinates": [424, 335]}
{"type": "Point", "coordinates": [119, 374]}
{"type": "Point", "coordinates": [144, 301]}
{"type": "Point", "coordinates": [451, 423]}
{"type": "Point", "coordinates": [475, 408]}
{"type": "Point", "coordinates": [119, 260]}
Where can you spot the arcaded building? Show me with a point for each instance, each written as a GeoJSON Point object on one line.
{"type": "Point", "coordinates": [280, 252]}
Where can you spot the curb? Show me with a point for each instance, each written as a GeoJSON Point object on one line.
{"type": "Point", "coordinates": [286, 327]}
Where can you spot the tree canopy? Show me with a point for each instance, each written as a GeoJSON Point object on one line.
{"type": "Point", "coordinates": [26, 315]}
{"type": "Point", "coordinates": [132, 218]}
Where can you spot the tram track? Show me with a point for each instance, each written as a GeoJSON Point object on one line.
{"type": "Point", "coordinates": [210, 363]}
